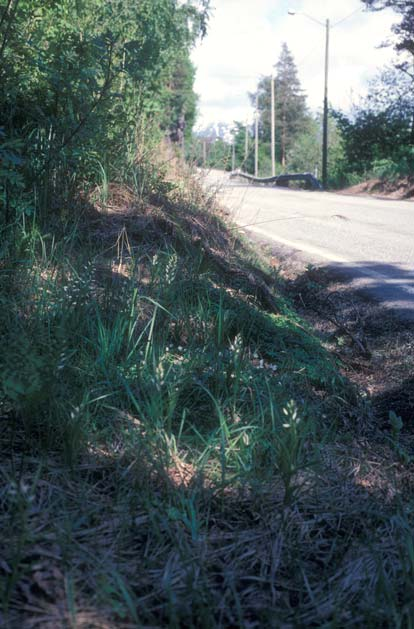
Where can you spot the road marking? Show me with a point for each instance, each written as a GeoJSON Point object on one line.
{"type": "Point", "coordinates": [323, 253]}
{"type": "Point", "coordinates": [332, 257]}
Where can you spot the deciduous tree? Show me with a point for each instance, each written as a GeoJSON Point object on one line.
{"type": "Point", "coordinates": [76, 77]}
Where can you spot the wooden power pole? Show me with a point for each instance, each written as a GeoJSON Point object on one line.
{"type": "Point", "coordinates": [246, 142]}
{"type": "Point", "coordinates": [325, 114]}
{"type": "Point", "coordinates": [273, 122]}
{"type": "Point", "coordinates": [256, 138]}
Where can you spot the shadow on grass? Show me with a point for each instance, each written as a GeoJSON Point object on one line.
{"type": "Point", "coordinates": [389, 283]}
{"type": "Point", "coordinates": [118, 542]}
{"type": "Point", "coordinates": [375, 341]}
{"type": "Point", "coordinates": [133, 535]}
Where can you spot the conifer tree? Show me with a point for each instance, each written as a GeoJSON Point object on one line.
{"type": "Point", "coordinates": [404, 29]}
{"type": "Point", "coordinates": [292, 115]}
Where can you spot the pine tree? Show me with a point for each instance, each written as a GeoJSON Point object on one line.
{"type": "Point", "coordinates": [291, 114]}
{"type": "Point", "coordinates": [405, 29]}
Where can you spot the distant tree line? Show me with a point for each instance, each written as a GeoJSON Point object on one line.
{"type": "Point", "coordinates": [374, 139]}
{"type": "Point", "coordinates": [298, 132]}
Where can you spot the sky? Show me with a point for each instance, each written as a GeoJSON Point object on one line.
{"type": "Point", "coordinates": [244, 42]}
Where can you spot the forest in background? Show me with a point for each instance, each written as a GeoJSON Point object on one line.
{"type": "Point", "coordinates": [374, 140]}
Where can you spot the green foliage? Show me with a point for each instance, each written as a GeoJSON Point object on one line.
{"type": "Point", "coordinates": [181, 347]}
{"type": "Point", "coordinates": [161, 422]}
{"type": "Point", "coordinates": [370, 137]}
{"type": "Point", "coordinates": [148, 423]}
{"type": "Point", "coordinates": [293, 124]}
{"type": "Point", "coordinates": [11, 178]}
{"type": "Point", "coordinates": [210, 152]}
{"type": "Point", "coordinates": [290, 103]}
{"type": "Point", "coordinates": [239, 138]}
{"type": "Point", "coordinates": [401, 165]}
{"type": "Point", "coordinates": [378, 135]}
{"type": "Point", "coordinates": [180, 111]}
{"type": "Point", "coordinates": [76, 78]}
{"type": "Point", "coordinates": [305, 154]}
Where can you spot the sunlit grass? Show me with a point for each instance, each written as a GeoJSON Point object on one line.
{"type": "Point", "coordinates": [172, 444]}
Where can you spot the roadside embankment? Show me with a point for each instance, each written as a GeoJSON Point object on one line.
{"type": "Point", "coordinates": [183, 443]}
{"type": "Point", "coordinates": [402, 188]}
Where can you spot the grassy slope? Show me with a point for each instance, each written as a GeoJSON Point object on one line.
{"type": "Point", "coordinates": [177, 446]}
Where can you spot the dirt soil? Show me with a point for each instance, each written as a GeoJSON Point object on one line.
{"type": "Point", "coordinates": [402, 189]}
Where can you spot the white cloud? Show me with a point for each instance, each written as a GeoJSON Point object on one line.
{"type": "Point", "coordinates": [244, 42]}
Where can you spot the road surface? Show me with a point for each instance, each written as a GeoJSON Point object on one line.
{"type": "Point", "coordinates": [370, 240]}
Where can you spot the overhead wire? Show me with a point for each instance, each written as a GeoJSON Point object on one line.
{"type": "Point", "coordinates": [298, 65]}
{"type": "Point", "coordinates": [347, 17]}
{"type": "Point", "coordinates": [230, 75]}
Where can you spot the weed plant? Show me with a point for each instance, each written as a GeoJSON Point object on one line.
{"type": "Point", "coordinates": [171, 449]}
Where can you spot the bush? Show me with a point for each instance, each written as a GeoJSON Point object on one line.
{"type": "Point", "coordinates": [402, 165]}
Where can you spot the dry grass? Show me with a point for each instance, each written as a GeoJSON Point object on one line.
{"type": "Point", "coordinates": [143, 528]}
{"type": "Point", "coordinates": [373, 344]}
{"type": "Point", "coordinates": [94, 557]}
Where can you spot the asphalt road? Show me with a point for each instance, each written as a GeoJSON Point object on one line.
{"type": "Point", "coordinates": [370, 240]}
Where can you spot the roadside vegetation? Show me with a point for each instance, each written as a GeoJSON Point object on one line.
{"type": "Point", "coordinates": [373, 142]}
{"type": "Point", "coordinates": [178, 446]}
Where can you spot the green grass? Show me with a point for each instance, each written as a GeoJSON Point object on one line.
{"type": "Point", "coordinates": [176, 443]}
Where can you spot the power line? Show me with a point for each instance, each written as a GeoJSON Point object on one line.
{"type": "Point", "coordinates": [235, 77]}
{"type": "Point", "coordinates": [347, 17]}
{"type": "Point", "coordinates": [310, 53]}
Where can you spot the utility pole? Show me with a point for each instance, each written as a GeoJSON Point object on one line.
{"type": "Point", "coordinates": [233, 156]}
{"type": "Point", "coordinates": [325, 113]}
{"type": "Point", "coordinates": [246, 142]}
{"type": "Point", "coordinates": [204, 153]}
{"type": "Point", "coordinates": [256, 138]}
{"type": "Point", "coordinates": [273, 121]}
{"type": "Point", "coordinates": [326, 25]}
